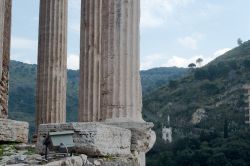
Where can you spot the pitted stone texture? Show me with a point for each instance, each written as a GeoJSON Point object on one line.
{"type": "Point", "coordinates": [143, 138]}
{"type": "Point", "coordinates": [110, 86]}
{"type": "Point", "coordinates": [90, 61]}
{"type": "Point", "coordinates": [92, 139]}
{"type": "Point", "coordinates": [5, 31]}
{"type": "Point", "coordinates": [72, 161]}
{"type": "Point", "coordinates": [121, 97]}
{"type": "Point", "coordinates": [122, 161]}
{"type": "Point", "coordinates": [13, 131]}
{"type": "Point", "coordinates": [83, 160]}
{"type": "Point", "coordinates": [52, 62]}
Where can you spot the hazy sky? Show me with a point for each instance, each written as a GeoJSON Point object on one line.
{"type": "Point", "coordinates": [173, 32]}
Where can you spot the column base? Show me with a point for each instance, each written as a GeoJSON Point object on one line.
{"type": "Point", "coordinates": [129, 141]}
{"type": "Point", "coordinates": [92, 139]}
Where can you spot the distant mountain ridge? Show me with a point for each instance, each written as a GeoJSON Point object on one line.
{"type": "Point", "coordinates": [157, 77]}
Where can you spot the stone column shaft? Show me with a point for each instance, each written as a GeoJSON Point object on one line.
{"type": "Point", "coordinates": [2, 6]}
{"type": "Point", "coordinates": [120, 77]}
{"type": "Point", "coordinates": [52, 62]}
{"type": "Point", "coordinates": [110, 87]}
{"type": "Point", "coordinates": [90, 61]}
{"type": "Point", "coordinates": [5, 32]}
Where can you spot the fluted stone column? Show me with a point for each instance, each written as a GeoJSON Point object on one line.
{"type": "Point", "coordinates": [110, 86]}
{"type": "Point", "coordinates": [121, 98]}
{"type": "Point", "coordinates": [90, 61]}
{"type": "Point", "coordinates": [52, 62]}
{"type": "Point", "coordinates": [1, 34]}
{"type": "Point", "coordinates": [5, 31]}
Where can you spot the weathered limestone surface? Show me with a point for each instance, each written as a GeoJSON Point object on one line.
{"type": "Point", "coordinates": [83, 160]}
{"type": "Point", "coordinates": [142, 138]}
{"type": "Point", "coordinates": [119, 161]}
{"type": "Point", "coordinates": [90, 61]}
{"type": "Point", "coordinates": [92, 139]}
{"type": "Point", "coordinates": [2, 7]}
{"type": "Point", "coordinates": [5, 31]}
{"type": "Point", "coordinates": [110, 87]}
{"type": "Point", "coordinates": [120, 78]}
{"type": "Point", "coordinates": [72, 161]}
{"type": "Point", "coordinates": [52, 62]}
{"type": "Point", "coordinates": [13, 131]}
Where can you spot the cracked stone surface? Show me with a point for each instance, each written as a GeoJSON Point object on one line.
{"type": "Point", "coordinates": [92, 139]}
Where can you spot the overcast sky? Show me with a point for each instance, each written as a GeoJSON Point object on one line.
{"type": "Point", "coordinates": [173, 32]}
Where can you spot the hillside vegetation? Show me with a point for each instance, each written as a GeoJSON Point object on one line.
{"type": "Point", "coordinates": [157, 77]}
{"type": "Point", "coordinates": [215, 88]}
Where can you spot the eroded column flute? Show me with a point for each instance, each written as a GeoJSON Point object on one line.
{"type": "Point", "coordinates": [5, 32]}
{"type": "Point", "coordinates": [52, 62]}
{"type": "Point", "coordinates": [90, 61]}
{"type": "Point", "coordinates": [110, 87]}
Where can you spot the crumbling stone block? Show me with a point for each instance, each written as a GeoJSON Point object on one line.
{"type": "Point", "coordinates": [92, 139]}
{"type": "Point", "coordinates": [13, 131]}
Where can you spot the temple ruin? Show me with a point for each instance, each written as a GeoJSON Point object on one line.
{"type": "Point", "coordinates": [110, 99]}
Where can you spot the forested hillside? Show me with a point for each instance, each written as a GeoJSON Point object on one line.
{"type": "Point", "coordinates": [220, 133]}
{"type": "Point", "coordinates": [216, 87]}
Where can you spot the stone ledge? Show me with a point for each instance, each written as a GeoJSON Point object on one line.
{"type": "Point", "coordinates": [143, 138]}
{"type": "Point", "coordinates": [92, 139]}
{"type": "Point", "coordinates": [132, 125]}
{"type": "Point", "coordinates": [13, 131]}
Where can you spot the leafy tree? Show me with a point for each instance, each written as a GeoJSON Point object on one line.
{"type": "Point", "coordinates": [239, 41]}
{"type": "Point", "coordinates": [199, 61]}
{"type": "Point", "coordinates": [192, 65]}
